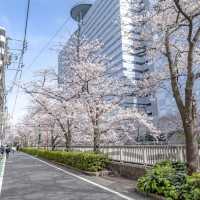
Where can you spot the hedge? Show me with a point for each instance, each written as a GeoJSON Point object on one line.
{"type": "Point", "coordinates": [84, 161]}
{"type": "Point", "coordinates": [170, 180]}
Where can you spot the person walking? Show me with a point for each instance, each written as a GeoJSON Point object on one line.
{"type": "Point", "coordinates": [13, 149]}
{"type": "Point", "coordinates": [2, 150]}
{"type": "Point", "coordinates": [18, 147]}
{"type": "Point", "coordinates": [7, 151]}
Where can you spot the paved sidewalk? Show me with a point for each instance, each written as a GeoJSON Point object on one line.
{"type": "Point", "coordinates": [1, 164]}
{"type": "Point", "coordinates": [2, 167]}
{"type": "Point", "coordinates": [27, 178]}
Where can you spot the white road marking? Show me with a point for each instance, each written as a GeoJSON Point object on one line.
{"type": "Point", "coordinates": [84, 179]}
{"type": "Point", "coordinates": [2, 172]}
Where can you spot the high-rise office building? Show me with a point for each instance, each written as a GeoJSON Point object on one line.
{"type": "Point", "coordinates": [106, 21]}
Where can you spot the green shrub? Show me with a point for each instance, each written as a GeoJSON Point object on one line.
{"type": "Point", "coordinates": [165, 178]}
{"type": "Point", "coordinates": [85, 161]}
{"type": "Point", "coordinates": [191, 190]}
{"type": "Point", "coordinates": [170, 180]}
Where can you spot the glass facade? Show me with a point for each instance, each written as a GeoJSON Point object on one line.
{"type": "Point", "coordinates": [105, 22]}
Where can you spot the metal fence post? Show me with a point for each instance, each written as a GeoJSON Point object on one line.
{"type": "Point", "coordinates": [181, 154]}
{"type": "Point", "coordinates": [120, 154]}
{"type": "Point", "coordinates": [145, 156]}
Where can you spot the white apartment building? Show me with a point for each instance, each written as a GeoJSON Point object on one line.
{"type": "Point", "coordinates": [2, 45]}
{"type": "Point", "coordinates": [3, 62]}
{"type": "Point", "coordinates": [106, 20]}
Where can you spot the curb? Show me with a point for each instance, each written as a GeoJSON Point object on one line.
{"type": "Point", "coordinates": [100, 173]}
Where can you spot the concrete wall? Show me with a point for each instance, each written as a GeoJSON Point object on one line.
{"type": "Point", "coordinates": [131, 171]}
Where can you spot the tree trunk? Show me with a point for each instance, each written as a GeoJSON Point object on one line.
{"type": "Point", "coordinates": [96, 147]}
{"type": "Point", "coordinates": [186, 109]}
{"type": "Point", "coordinates": [68, 139]}
{"type": "Point", "coordinates": [68, 136]}
{"type": "Point", "coordinates": [53, 146]}
{"type": "Point", "coordinates": [192, 151]}
{"type": "Point", "coordinates": [53, 139]}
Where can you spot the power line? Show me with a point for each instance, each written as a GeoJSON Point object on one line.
{"type": "Point", "coordinates": [21, 59]}
{"type": "Point", "coordinates": [48, 43]}
{"type": "Point", "coordinates": [40, 52]}
{"type": "Point", "coordinates": [26, 27]}
{"type": "Point", "coordinates": [24, 47]}
{"type": "Point", "coordinates": [16, 97]}
{"type": "Point", "coordinates": [37, 56]}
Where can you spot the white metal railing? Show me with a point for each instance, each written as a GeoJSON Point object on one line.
{"type": "Point", "coordinates": [140, 154]}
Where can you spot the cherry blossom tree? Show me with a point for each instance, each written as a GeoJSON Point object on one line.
{"type": "Point", "coordinates": [58, 105]}
{"type": "Point", "coordinates": [25, 132]}
{"type": "Point", "coordinates": [47, 130]}
{"type": "Point", "coordinates": [171, 32]}
{"type": "Point", "coordinates": [100, 95]}
{"type": "Point", "coordinates": [89, 105]}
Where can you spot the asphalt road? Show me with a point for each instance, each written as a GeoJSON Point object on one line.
{"type": "Point", "coordinates": [27, 178]}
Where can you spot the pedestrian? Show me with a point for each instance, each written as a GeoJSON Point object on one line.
{"type": "Point", "coordinates": [13, 150]}
{"type": "Point", "coordinates": [7, 151]}
{"type": "Point", "coordinates": [2, 150]}
{"type": "Point", "coordinates": [18, 147]}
